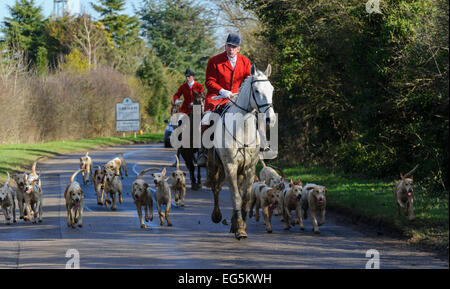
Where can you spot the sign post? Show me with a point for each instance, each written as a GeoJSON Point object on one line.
{"type": "Point", "coordinates": [127, 116]}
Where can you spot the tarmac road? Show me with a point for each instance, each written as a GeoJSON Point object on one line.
{"type": "Point", "coordinates": [114, 239]}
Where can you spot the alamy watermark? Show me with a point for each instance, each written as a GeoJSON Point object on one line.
{"type": "Point", "coordinates": [233, 130]}
{"type": "Point", "coordinates": [74, 261]}
{"type": "Point", "coordinates": [374, 261]}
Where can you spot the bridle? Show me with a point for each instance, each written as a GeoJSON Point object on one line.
{"type": "Point", "coordinates": [252, 93]}
{"type": "Point", "coordinates": [269, 105]}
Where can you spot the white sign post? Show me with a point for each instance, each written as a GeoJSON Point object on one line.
{"type": "Point", "coordinates": [127, 116]}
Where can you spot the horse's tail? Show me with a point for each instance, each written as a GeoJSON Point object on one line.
{"type": "Point", "coordinates": [178, 162]}
{"type": "Point", "coordinates": [281, 172]}
{"type": "Point", "coordinates": [144, 171]}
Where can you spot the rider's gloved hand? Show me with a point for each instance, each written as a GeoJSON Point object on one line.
{"type": "Point", "coordinates": [225, 93]}
{"type": "Point", "coordinates": [191, 104]}
{"type": "Point", "coordinates": [177, 101]}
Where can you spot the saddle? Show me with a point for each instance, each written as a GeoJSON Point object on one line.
{"type": "Point", "coordinates": [221, 108]}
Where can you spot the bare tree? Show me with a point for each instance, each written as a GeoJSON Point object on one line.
{"type": "Point", "coordinates": [89, 36]}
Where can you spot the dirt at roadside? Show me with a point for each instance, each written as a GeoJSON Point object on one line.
{"type": "Point", "coordinates": [379, 229]}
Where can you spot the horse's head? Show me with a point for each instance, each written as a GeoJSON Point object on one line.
{"type": "Point", "coordinates": [175, 108]}
{"type": "Point", "coordinates": [262, 93]}
{"type": "Point", "coordinates": [199, 97]}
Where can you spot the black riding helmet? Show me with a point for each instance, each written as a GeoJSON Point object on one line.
{"type": "Point", "coordinates": [189, 72]}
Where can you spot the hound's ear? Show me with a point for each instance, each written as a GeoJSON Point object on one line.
{"type": "Point", "coordinates": [184, 173]}
{"type": "Point", "coordinates": [173, 174]}
{"type": "Point", "coordinates": [310, 188]}
{"type": "Point", "coordinates": [253, 69]}
{"type": "Point", "coordinates": [291, 183]}
{"type": "Point", "coordinates": [163, 172]}
{"type": "Point", "coordinates": [166, 179]}
{"type": "Point", "coordinates": [268, 70]}
{"type": "Point", "coordinates": [145, 185]}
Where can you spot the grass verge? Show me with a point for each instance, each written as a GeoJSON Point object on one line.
{"type": "Point", "coordinates": [19, 157]}
{"type": "Point", "coordinates": [372, 202]}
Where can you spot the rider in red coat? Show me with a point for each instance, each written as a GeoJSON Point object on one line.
{"type": "Point", "coordinates": [186, 90]}
{"type": "Point", "coordinates": [224, 74]}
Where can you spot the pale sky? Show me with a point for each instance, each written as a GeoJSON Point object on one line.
{"type": "Point", "coordinates": [75, 5]}
{"type": "Point", "coordinates": [84, 5]}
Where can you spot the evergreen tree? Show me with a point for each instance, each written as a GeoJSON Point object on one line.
{"type": "Point", "coordinates": [23, 29]}
{"type": "Point", "coordinates": [124, 30]}
{"type": "Point", "coordinates": [180, 32]}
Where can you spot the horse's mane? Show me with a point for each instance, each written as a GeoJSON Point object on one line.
{"type": "Point", "coordinates": [246, 85]}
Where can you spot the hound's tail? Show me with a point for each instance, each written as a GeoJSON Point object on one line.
{"type": "Point", "coordinates": [410, 172]}
{"type": "Point", "coordinates": [178, 162]}
{"type": "Point", "coordinates": [33, 168]}
{"type": "Point", "coordinates": [7, 181]}
{"type": "Point", "coordinates": [263, 163]}
{"type": "Point", "coordinates": [278, 169]}
{"type": "Point", "coordinates": [74, 175]}
{"type": "Point", "coordinates": [144, 171]}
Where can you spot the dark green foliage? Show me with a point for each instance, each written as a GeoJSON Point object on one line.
{"type": "Point", "coordinates": [366, 92]}
{"type": "Point", "coordinates": [123, 29]}
{"type": "Point", "coordinates": [180, 32]}
{"type": "Point", "coordinates": [153, 75]}
{"type": "Point", "coordinates": [23, 30]}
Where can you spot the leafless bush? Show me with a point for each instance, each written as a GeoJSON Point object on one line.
{"type": "Point", "coordinates": [61, 106]}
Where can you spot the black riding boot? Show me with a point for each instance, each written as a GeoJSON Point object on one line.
{"type": "Point", "coordinates": [202, 153]}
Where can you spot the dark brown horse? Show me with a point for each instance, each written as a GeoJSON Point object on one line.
{"type": "Point", "coordinates": [188, 154]}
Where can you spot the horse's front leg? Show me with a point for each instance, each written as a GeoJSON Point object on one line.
{"type": "Point", "coordinates": [246, 181]}
{"type": "Point", "coordinates": [189, 161]}
{"type": "Point", "coordinates": [239, 208]}
{"type": "Point", "coordinates": [199, 178]}
{"type": "Point", "coordinates": [216, 215]}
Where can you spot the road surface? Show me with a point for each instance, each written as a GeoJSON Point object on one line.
{"type": "Point", "coordinates": [115, 240]}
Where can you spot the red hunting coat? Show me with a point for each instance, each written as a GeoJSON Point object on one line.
{"type": "Point", "coordinates": [220, 74]}
{"type": "Point", "coordinates": [188, 95]}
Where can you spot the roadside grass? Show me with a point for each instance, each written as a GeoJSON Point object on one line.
{"type": "Point", "coordinates": [372, 202]}
{"type": "Point", "coordinates": [19, 157]}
